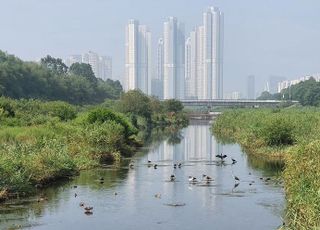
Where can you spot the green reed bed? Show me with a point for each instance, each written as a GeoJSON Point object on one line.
{"type": "Point", "coordinates": [290, 134]}
{"type": "Point", "coordinates": [41, 142]}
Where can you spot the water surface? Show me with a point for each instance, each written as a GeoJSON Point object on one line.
{"type": "Point", "coordinates": [143, 197]}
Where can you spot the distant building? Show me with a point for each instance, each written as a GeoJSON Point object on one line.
{"type": "Point", "coordinates": [204, 57]}
{"type": "Point", "coordinates": [138, 57]}
{"type": "Point", "coordinates": [272, 84]}
{"type": "Point", "coordinates": [233, 95]}
{"type": "Point", "coordinates": [101, 65]}
{"type": "Point", "coordinates": [174, 51]}
{"type": "Point", "coordinates": [251, 94]}
{"type": "Point", "coordinates": [105, 68]}
{"type": "Point", "coordinates": [157, 82]}
{"type": "Point", "coordinates": [286, 84]}
{"type": "Point", "coordinates": [73, 59]}
{"type": "Point", "coordinates": [213, 21]}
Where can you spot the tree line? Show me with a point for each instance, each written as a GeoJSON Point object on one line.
{"type": "Point", "coordinates": [306, 92]}
{"type": "Point", "coordinates": [53, 80]}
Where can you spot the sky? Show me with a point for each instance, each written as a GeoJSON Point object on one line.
{"type": "Point", "coordinates": [262, 37]}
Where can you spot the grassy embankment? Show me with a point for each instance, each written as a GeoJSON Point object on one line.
{"type": "Point", "coordinates": [290, 134]}
{"type": "Point", "coordinates": [43, 141]}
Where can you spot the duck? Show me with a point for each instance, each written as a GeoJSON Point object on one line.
{"type": "Point", "coordinates": [172, 177]}
{"type": "Point", "coordinates": [192, 179]}
{"type": "Point", "coordinates": [175, 166]}
{"type": "Point", "coordinates": [158, 195]}
{"type": "Point", "coordinates": [81, 204]}
{"type": "Point", "coordinates": [205, 177]}
{"type": "Point", "coordinates": [155, 166]}
{"type": "Point", "coordinates": [236, 178]}
{"type": "Point", "coordinates": [88, 208]}
{"type": "Point", "coordinates": [179, 165]}
{"type": "Point", "coordinates": [88, 212]}
{"type": "Point", "coordinates": [233, 161]}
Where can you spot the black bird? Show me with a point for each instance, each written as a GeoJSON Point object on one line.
{"type": "Point", "coordinates": [175, 166]}
{"type": "Point", "coordinates": [236, 178]}
{"type": "Point", "coordinates": [172, 177]}
{"type": "Point", "coordinates": [88, 212]}
{"type": "Point", "coordinates": [88, 208]}
{"type": "Point", "coordinates": [221, 156]}
{"type": "Point", "coordinates": [149, 161]}
{"type": "Point", "coordinates": [179, 165]}
{"type": "Point", "coordinates": [155, 166]}
{"type": "Point", "coordinates": [233, 161]}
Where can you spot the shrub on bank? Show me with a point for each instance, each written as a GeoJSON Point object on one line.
{"type": "Point", "coordinates": [277, 131]}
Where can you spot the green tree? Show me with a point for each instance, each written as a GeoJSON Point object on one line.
{"type": "Point", "coordinates": [134, 101]}
{"type": "Point", "coordinates": [84, 70]}
{"type": "Point", "coordinates": [56, 65]}
{"type": "Point", "coordinates": [173, 105]}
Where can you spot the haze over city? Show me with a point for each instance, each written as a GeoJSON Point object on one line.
{"type": "Point", "coordinates": [261, 38]}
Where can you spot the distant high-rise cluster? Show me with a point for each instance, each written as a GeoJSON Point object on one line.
{"type": "Point", "coordinates": [189, 68]}
{"type": "Point", "coordinates": [101, 65]}
{"type": "Point", "coordinates": [138, 57]}
{"type": "Point", "coordinates": [288, 83]}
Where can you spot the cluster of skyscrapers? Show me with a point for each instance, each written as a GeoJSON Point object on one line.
{"type": "Point", "coordinates": [101, 65]}
{"type": "Point", "coordinates": [186, 68]}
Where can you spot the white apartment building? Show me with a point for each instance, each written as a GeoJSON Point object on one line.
{"type": "Point", "coordinates": [138, 57]}
{"type": "Point", "coordinates": [174, 58]}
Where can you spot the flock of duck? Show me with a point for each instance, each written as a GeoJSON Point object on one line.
{"type": "Point", "coordinates": [204, 179]}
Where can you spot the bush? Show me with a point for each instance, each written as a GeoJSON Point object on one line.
{"type": "Point", "coordinates": [277, 131]}
{"type": "Point", "coordinates": [106, 137]}
{"type": "Point", "coordinates": [102, 115]}
{"type": "Point", "coordinates": [62, 110]}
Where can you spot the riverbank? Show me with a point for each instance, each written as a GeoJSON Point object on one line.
{"type": "Point", "coordinates": [42, 142]}
{"type": "Point", "coordinates": [291, 135]}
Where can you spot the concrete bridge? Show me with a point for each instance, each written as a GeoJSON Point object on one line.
{"type": "Point", "coordinates": [203, 115]}
{"type": "Point", "coordinates": [234, 103]}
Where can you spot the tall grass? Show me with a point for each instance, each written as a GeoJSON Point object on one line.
{"type": "Point", "coordinates": [292, 134]}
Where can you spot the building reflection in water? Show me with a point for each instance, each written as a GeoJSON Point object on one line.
{"type": "Point", "coordinates": [197, 144]}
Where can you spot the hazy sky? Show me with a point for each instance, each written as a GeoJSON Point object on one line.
{"type": "Point", "coordinates": [262, 37]}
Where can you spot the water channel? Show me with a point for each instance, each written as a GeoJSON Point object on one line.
{"type": "Point", "coordinates": [143, 197]}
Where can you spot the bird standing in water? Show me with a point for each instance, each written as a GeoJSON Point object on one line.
{"type": "Point", "coordinates": [221, 156]}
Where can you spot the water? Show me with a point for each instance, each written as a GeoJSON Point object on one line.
{"type": "Point", "coordinates": [146, 199]}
